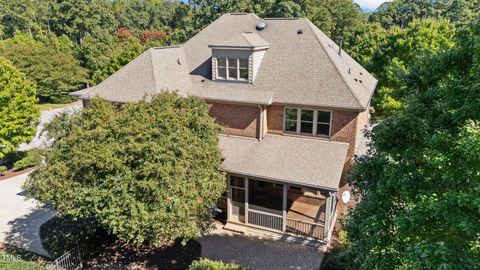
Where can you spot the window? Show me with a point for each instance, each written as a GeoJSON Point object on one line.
{"type": "Point", "coordinates": [221, 68]}
{"type": "Point", "coordinates": [236, 181]}
{"type": "Point", "coordinates": [232, 69]}
{"type": "Point", "coordinates": [237, 185]}
{"type": "Point", "coordinates": [307, 122]}
{"type": "Point", "coordinates": [294, 188]}
{"type": "Point", "coordinates": [291, 120]}
{"type": "Point", "coordinates": [243, 66]}
{"type": "Point", "coordinates": [323, 123]}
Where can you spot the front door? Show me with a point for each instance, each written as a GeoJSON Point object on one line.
{"type": "Point", "coordinates": [237, 193]}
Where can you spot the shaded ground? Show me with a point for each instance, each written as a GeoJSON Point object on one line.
{"type": "Point", "coordinates": [13, 172]}
{"type": "Point", "coordinates": [124, 256]}
{"type": "Point", "coordinates": [20, 219]}
{"type": "Point", "coordinates": [258, 254]}
{"type": "Point", "coordinates": [62, 234]}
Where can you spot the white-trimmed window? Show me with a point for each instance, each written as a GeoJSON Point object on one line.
{"type": "Point", "coordinates": [307, 122]}
{"type": "Point", "coordinates": [231, 68]}
{"type": "Point", "coordinates": [222, 68]}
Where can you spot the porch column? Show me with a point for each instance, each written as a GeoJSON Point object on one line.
{"type": "Point", "coordinates": [328, 211]}
{"type": "Point", "coordinates": [229, 199]}
{"type": "Point", "coordinates": [246, 199]}
{"type": "Point", "coordinates": [284, 207]}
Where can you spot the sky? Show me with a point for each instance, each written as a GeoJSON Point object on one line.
{"type": "Point", "coordinates": [370, 5]}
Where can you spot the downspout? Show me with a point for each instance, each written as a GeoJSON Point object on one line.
{"type": "Point", "coordinates": [260, 128]}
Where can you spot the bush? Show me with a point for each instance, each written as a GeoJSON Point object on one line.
{"type": "Point", "coordinates": [2, 169]}
{"type": "Point", "coordinates": [206, 264]}
{"type": "Point", "coordinates": [33, 158]}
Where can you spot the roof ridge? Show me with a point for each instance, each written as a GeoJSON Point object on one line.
{"type": "Point", "coordinates": [153, 70]}
{"type": "Point", "coordinates": [311, 25]}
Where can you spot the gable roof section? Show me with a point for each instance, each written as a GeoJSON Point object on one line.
{"type": "Point", "coordinates": [297, 69]}
{"type": "Point", "coordinates": [154, 71]}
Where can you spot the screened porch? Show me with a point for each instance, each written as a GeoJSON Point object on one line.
{"type": "Point", "coordinates": [280, 207]}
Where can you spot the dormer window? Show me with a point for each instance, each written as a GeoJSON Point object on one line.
{"type": "Point", "coordinates": [238, 58]}
{"type": "Point", "coordinates": [229, 68]}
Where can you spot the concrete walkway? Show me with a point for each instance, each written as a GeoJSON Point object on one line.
{"type": "Point", "coordinates": [257, 253]}
{"type": "Point", "coordinates": [20, 219]}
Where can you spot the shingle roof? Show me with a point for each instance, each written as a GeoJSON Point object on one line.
{"type": "Point", "coordinates": [301, 161]}
{"type": "Point", "coordinates": [243, 40]}
{"type": "Point", "coordinates": [297, 69]}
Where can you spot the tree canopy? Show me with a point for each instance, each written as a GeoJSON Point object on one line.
{"type": "Point", "coordinates": [399, 50]}
{"type": "Point", "coordinates": [49, 61]}
{"type": "Point", "coordinates": [419, 188]}
{"type": "Point", "coordinates": [146, 172]}
{"type": "Point", "coordinates": [18, 113]}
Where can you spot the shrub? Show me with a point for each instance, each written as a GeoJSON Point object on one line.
{"type": "Point", "coordinates": [2, 169]}
{"type": "Point", "coordinates": [206, 264]}
{"type": "Point", "coordinates": [33, 158]}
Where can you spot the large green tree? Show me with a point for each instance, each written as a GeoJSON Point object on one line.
{"type": "Point", "coordinates": [400, 49]}
{"type": "Point", "coordinates": [18, 113]}
{"type": "Point", "coordinates": [419, 206]}
{"type": "Point", "coordinates": [402, 12]}
{"type": "Point", "coordinates": [48, 61]}
{"type": "Point", "coordinates": [147, 171]}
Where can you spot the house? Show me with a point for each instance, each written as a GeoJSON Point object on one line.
{"type": "Point", "coordinates": [293, 105]}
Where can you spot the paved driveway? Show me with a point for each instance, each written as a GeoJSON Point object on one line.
{"type": "Point", "coordinates": [46, 116]}
{"type": "Point", "coordinates": [259, 254]}
{"type": "Point", "coordinates": [20, 219]}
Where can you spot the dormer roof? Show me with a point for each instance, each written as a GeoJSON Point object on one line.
{"type": "Point", "coordinates": [245, 40]}
{"type": "Point", "coordinates": [300, 68]}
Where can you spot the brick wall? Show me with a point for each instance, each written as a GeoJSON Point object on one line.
{"type": "Point", "coordinates": [344, 129]}
{"type": "Point", "coordinates": [275, 119]}
{"type": "Point", "coordinates": [238, 120]}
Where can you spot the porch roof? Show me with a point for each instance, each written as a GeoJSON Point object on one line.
{"type": "Point", "coordinates": [302, 161]}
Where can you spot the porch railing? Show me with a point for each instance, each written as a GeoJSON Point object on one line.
{"type": "Point", "coordinates": [305, 228]}
{"type": "Point", "coordinates": [264, 219]}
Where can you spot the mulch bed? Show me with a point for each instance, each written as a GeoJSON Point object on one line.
{"type": "Point", "coordinates": [120, 255]}
{"type": "Point", "coordinates": [14, 172]}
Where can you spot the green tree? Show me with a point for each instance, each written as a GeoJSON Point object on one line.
{"type": "Point", "coordinates": [18, 113]}
{"type": "Point", "coordinates": [49, 61]}
{"type": "Point", "coordinates": [400, 50]}
{"type": "Point", "coordinates": [419, 206]}
{"type": "Point", "coordinates": [147, 171]}
{"type": "Point", "coordinates": [402, 12]}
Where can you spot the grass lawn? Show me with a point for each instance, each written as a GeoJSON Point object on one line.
{"type": "Point", "coordinates": [48, 106]}
{"type": "Point", "coordinates": [16, 262]}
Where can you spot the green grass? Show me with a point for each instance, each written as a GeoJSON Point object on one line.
{"type": "Point", "coordinates": [17, 262]}
{"type": "Point", "coordinates": [48, 106]}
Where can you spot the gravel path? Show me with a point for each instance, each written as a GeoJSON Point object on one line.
{"type": "Point", "coordinates": [259, 254]}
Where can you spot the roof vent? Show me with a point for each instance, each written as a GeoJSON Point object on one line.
{"type": "Point", "coordinates": [300, 31]}
{"type": "Point", "coordinates": [260, 26]}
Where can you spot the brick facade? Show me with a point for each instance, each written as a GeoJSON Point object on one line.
{"type": "Point", "coordinates": [344, 125]}
{"type": "Point", "coordinates": [240, 120]}
{"type": "Point", "coordinates": [275, 119]}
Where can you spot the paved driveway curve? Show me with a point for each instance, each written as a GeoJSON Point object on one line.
{"type": "Point", "coordinates": [20, 219]}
